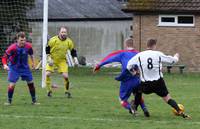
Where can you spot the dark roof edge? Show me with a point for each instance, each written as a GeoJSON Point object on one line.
{"type": "Point", "coordinates": [161, 11]}
{"type": "Point", "coordinates": [82, 19]}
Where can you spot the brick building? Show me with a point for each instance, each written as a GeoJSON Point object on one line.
{"type": "Point", "coordinates": [174, 23]}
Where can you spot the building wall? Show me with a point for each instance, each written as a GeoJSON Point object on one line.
{"type": "Point", "coordinates": [184, 40]}
{"type": "Point", "coordinates": [93, 39]}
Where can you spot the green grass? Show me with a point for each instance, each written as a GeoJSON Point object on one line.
{"type": "Point", "coordinates": [95, 104]}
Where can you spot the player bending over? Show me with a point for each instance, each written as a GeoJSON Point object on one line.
{"type": "Point", "coordinates": [129, 84]}
{"type": "Point", "coordinates": [149, 64]}
{"type": "Point", "coordinates": [16, 56]}
{"type": "Point", "coordinates": [56, 57]}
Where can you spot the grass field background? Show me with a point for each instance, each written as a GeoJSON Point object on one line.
{"type": "Point", "coordinates": [95, 104]}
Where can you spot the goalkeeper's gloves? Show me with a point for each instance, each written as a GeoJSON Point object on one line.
{"type": "Point", "coordinates": [76, 61]}
{"type": "Point", "coordinates": [49, 60]}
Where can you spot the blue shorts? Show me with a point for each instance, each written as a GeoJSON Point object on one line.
{"type": "Point", "coordinates": [25, 74]}
{"type": "Point", "coordinates": [128, 87]}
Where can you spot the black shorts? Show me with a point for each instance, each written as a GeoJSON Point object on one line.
{"type": "Point", "coordinates": [157, 87]}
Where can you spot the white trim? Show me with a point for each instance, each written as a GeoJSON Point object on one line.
{"type": "Point", "coordinates": [175, 23]}
{"type": "Point", "coordinates": [99, 119]}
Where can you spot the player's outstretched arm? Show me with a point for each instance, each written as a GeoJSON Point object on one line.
{"type": "Point", "coordinates": [169, 59]}
{"type": "Point", "coordinates": [110, 58]}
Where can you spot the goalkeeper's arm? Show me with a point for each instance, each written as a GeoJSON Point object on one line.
{"type": "Point", "coordinates": [48, 49]}
{"type": "Point", "coordinates": [74, 55]}
{"type": "Point", "coordinates": [49, 59]}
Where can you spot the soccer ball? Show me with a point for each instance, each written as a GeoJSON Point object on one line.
{"type": "Point", "coordinates": [181, 108]}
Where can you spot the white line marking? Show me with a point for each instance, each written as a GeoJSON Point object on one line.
{"type": "Point", "coordinates": [189, 122]}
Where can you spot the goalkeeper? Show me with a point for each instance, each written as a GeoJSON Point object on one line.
{"type": "Point", "coordinates": [56, 51]}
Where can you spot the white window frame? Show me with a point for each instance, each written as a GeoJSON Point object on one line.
{"type": "Point", "coordinates": [175, 23]}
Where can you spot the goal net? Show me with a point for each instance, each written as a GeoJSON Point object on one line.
{"type": "Point", "coordinates": [27, 16]}
{"type": "Point", "coordinates": [94, 34]}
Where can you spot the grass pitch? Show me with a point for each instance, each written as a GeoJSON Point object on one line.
{"type": "Point", "coordinates": [95, 104]}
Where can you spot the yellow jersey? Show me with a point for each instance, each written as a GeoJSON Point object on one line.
{"type": "Point", "coordinates": [58, 48]}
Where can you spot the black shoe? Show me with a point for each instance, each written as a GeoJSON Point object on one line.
{"type": "Point", "coordinates": [130, 111]}
{"type": "Point", "coordinates": [49, 94]}
{"type": "Point", "coordinates": [68, 95]}
{"type": "Point", "coordinates": [185, 116]}
{"type": "Point", "coordinates": [146, 112]}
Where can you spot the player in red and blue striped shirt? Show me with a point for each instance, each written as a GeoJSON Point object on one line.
{"type": "Point", "coordinates": [129, 84]}
{"type": "Point", "coordinates": [15, 60]}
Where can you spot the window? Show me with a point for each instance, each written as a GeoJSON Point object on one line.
{"type": "Point", "coordinates": [176, 20]}
{"type": "Point", "coordinates": [168, 19]}
{"type": "Point", "coordinates": [185, 19]}
{"type": "Point", "coordinates": [123, 1]}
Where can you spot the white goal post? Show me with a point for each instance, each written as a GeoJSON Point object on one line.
{"type": "Point", "coordinates": [44, 42]}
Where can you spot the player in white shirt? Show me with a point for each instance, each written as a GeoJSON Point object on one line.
{"type": "Point", "coordinates": [149, 65]}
